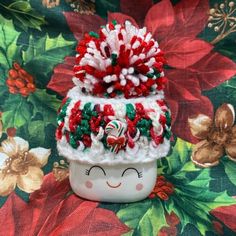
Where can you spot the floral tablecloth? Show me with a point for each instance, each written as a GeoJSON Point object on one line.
{"type": "Point", "coordinates": [37, 51]}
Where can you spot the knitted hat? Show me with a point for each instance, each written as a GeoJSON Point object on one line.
{"type": "Point", "coordinates": [116, 112]}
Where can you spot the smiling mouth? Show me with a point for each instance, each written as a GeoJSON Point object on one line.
{"type": "Point", "coordinates": [113, 186]}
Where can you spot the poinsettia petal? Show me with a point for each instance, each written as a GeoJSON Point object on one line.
{"type": "Point", "coordinates": [30, 181]}
{"type": "Point", "coordinates": [200, 125]}
{"type": "Point", "coordinates": [41, 155]}
{"type": "Point", "coordinates": [61, 80]}
{"type": "Point", "coordinates": [15, 217]}
{"type": "Point", "coordinates": [81, 23]}
{"type": "Point", "coordinates": [227, 215]}
{"type": "Point", "coordinates": [46, 199]}
{"type": "Point", "coordinates": [92, 221]}
{"type": "Point", "coordinates": [102, 216]}
{"type": "Point", "coordinates": [211, 74]}
{"type": "Point", "coordinates": [182, 85]}
{"type": "Point", "coordinates": [160, 19]}
{"type": "Point", "coordinates": [190, 109]}
{"type": "Point", "coordinates": [191, 17]}
{"type": "Point", "coordinates": [182, 52]}
{"type": "Point", "coordinates": [206, 154]}
{"type": "Point", "coordinates": [65, 210]}
{"type": "Point", "coordinates": [72, 223]}
{"type": "Point", "coordinates": [137, 9]}
{"type": "Point", "coordinates": [184, 96]}
{"type": "Point", "coordinates": [121, 18]}
{"type": "Point", "coordinates": [225, 116]}
{"type": "Point", "coordinates": [180, 92]}
{"type": "Point", "coordinates": [7, 183]}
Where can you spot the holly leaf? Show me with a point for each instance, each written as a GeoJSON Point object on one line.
{"type": "Point", "coordinates": [3, 90]}
{"type": "Point", "coordinates": [43, 54]}
{"type": "Point", "coordinates": [145, 218]}
{"type": "Point", "coordinates": [8, 48]}
{"type": "Point", "coordinates": [178, 159]}
{"type": "Point", "coordinates": [23, 15]}
{"type": "Point", "coordinates": [227, 48]}
{"type": "Point", "coordinates": [230, 170]}
{"type": "Point", "coordinates": [36, 131]}
{"type": "Point", "coordinates": [193, 200]}
{"type": "Point", "coordinates": [44, 104]}
{"type": "Point", "coordinates": [17, 111]}
{"type": "Point", "coordinates": [224, 93]}
{"type": "Point", "coordinates": [104, 6]}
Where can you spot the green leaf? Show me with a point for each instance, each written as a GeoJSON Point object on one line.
{"type": "Point", "coordinates": [43, 54]}
{"type": "Point", "coordinates": [227, 48]}
{"type": "Point", "coordinates": [8, 48]}
{"type": "Point", "coordinates": [189, 167]}
{"type": "Point", "coordinates": [132, 213]}
{"type": "Point", "coordinates": [20, 5]}
{"type": "Point", "coordinates": [45, 104]}
{"type": "Point", "coordinates": [16, 111]}
{"type": "Point", "coordinates": [193, 200]}
{"type": "Point", "coordinates": [130, 233]}
{"type": "Point", "coordinates": [3, 90]}
{"type": "Point", "coordinates": [230, 170]}
{"type": "Point", "coordinates": [224, 93]}
{"type": "Point", "coordinates": [153, 220]}
{"type": "Point", "coordinates": [59, 42]}
{"type": "Point", "coordinates": [23, 15]}
{"type": "Point", "coordinates": [146, 217]}
{"type": "Point", "coordinates": [36, 131]}
{"type": "Point", "coordinates": [105, 6]}
{"type": "Point", "coordinates": [177, 159]}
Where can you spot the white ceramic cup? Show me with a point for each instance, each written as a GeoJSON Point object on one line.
{"type": "Point", "coordinates": [113, 183]}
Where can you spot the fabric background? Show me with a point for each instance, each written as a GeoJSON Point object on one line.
{"type": "Point", "coordinates": [37, 49]}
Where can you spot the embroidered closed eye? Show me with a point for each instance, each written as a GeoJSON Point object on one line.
{"type": "Point", "coordinates": [139, 173]}
{"type": "Point", "coordinates": [87, 171]}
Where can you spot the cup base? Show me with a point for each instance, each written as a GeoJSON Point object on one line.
{"type": "Point", "coordinates": [119, 183]}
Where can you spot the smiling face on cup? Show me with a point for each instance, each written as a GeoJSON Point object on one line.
{"type": "Point", "coordinates": [119, 183]}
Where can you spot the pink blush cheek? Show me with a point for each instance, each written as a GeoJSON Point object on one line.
{"type": "Point", "coordinates": [139, 187]}
{"type": "Point", "coordinates": [88, 184]}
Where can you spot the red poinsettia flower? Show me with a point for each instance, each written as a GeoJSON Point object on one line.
{"type": "Point", "coordinates": [192, 66]}
{"type": "Point", "coordinates": [54, 210]}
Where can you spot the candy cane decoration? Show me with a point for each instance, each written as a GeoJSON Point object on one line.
{"type": "Point", "coordinates": [116, 139]}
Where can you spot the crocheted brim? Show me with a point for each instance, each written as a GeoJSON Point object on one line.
{"type": "Point", "coordinates": [111, 131]}
{"type": "Point", "coordinates": [95, 156]}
